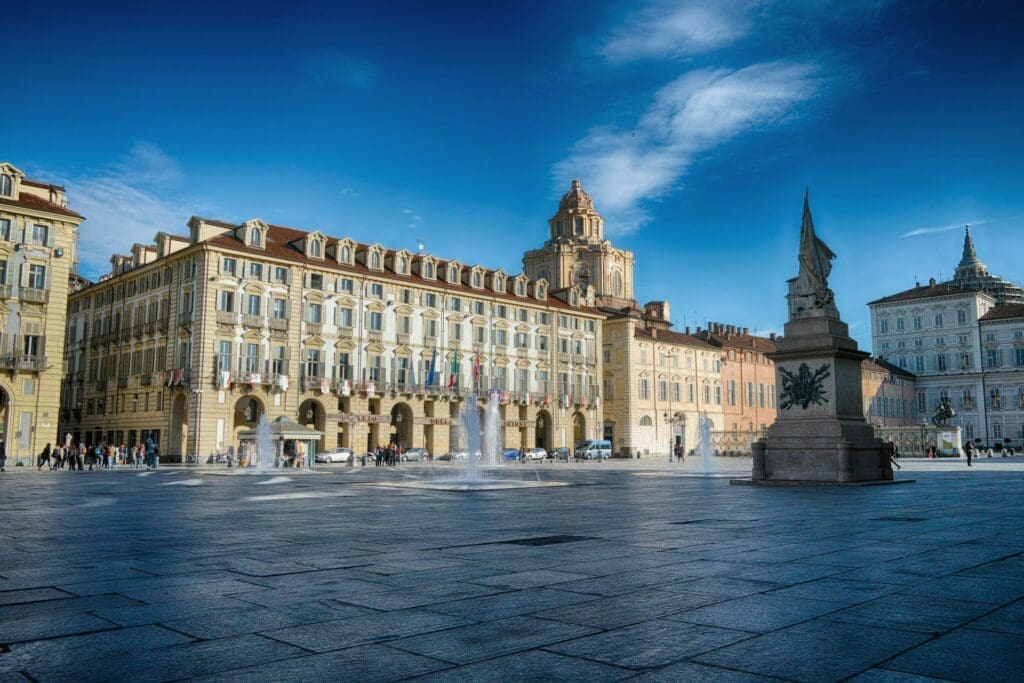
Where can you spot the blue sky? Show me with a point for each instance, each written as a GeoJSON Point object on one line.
{"type": "Point", "coordinates": [695, 126]}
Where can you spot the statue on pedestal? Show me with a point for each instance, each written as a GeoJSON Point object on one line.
{"type": "Point", "coordinates": [809, 293]}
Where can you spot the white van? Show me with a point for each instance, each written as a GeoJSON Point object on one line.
{"type": "Point", "coordinates": [594, 450]}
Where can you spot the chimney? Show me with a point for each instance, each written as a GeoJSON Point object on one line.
{"type": "Point", "coordinates": [698, 329]}
{"type": "Point", "coordinates": [771, 336]}
{"type": "Point", "coordinates": [687, 329]}
{"type": "Point", "coordinates": [931, 282]}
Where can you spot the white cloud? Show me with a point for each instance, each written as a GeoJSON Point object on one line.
{"type": "Point", "coordinates": [689, 116]}
{"type": "Point", "coordinates": [126, 202]}
{"type": "Point", "coordinates": [941, 228]}
{"type": "Point", "coordinates": [348, 192]}
{"type": "Point", "coordinates": [666, 29]}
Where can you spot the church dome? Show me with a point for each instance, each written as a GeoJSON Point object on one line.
{"type": "Point", "coordinates": [576, 199]}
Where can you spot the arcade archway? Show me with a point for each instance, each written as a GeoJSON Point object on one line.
{"type": "Point", "coordinates": [401, 425]}
{"type": "Point", "coordinates": [579, 428]}
{"type": "Point", "coordinates": [542, 431]}
{"type": "Point", "coordinates": [313, 415]}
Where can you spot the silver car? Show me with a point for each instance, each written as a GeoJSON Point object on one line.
{"type": "Point", "coordinates": [336, 455]}
{"type": "Point", "coordinates": [415, 455]}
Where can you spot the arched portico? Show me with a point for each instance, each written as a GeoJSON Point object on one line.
{"type": "Point", "coordinates": [313, 415]}
{"type": "Point", "coordinates": [542, 432]}
{"type": "Point", "coordinates": [401, 425]}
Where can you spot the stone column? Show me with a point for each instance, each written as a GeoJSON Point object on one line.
{"type": "Point", "coordinates": [760, 472]}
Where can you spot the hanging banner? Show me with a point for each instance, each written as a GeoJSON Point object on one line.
{"type": "Point", "coordinates": [344, 388]}
{"type": "Point", "coordinates": [325, 385]}
{"type": "Point", "coordinates": [254, 380]}
{"type": "Point", "coordinates": [370, 390]}
{"type": "Point", "coordinates": [282, 381]}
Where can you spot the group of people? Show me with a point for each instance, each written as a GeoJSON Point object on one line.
{"type": "Point", "coordinates": [387, 455]}
{"type": "Point", "coordinates": [105, 456]}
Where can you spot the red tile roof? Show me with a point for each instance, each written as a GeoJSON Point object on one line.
{"type": "Point", "coordinates": [922, 292]}
{"type": "Point", "coordinates": [1004, 312]}
{"type": "Point", "coordinates": [740, 341]}
{"type": "Point", "coordinates": [28, 201]}
{"type": "Point", "coordinates": [670, 337]}
{"type": "Point", "coordinates": [279, 244]}
{"type": "Point", "coordinates": [36, 183]}
{"type": "Point", "coordinates": [882, 365]}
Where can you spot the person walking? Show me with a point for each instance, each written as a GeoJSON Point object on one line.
{"type": "Point", "coordinates": [969, 452]}
{"type": "Point", "coordinates": [3, 455]}
{"type": "Point", "coordinates": [44, 457]}
{"type": "Point", "coordinates": [151, 453]}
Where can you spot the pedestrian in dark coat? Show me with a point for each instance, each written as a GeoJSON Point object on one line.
{"type": "Point", "coordinates": [3, 455]}
{"type": "Point", "coordinates": [44, 457]}
{"type": "Point", "coordinates": [969, 452]}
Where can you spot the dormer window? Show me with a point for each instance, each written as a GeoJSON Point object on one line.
{"type": "Point", "coordinates": [453, 274]}
{"type": "Point", "coordinates": [375, 260]}
{"type": "Point", "coordinates": [254, 237]}
{"type": "Point", "coordinates": [346, 254]}
{"type": "Point", "coordinates": [499, 283]}
{"type": "Point", "coordinates": [542, 292]}
{"type": "Point", "coordinates": [6, 185]}
{"type": "Point", "coordinates": [403, 265]}
{"type": "Point", "coordinates": [520, 288]}
{"type": "Point", "coordinates": [428, 271]}
{"type": "Point", "coordinates": [315, 249]}
{"type": "Point", "coordinates": [477, 280]}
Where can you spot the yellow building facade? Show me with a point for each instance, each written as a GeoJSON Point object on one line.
{"type": "Point", "coordinates": [190, 340]}
{"type": "Point", "coordinates": [38, 236]}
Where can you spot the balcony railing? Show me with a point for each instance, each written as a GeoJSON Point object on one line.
{"type": "Point", "coordinates": [146, 380]}
{"type": "Point", "coordinates": [185, 318]}
{"type": "Point", "coordinates": [33, 295]}
{"type": "Point", "coordinates": [122, 382]}
{"type": "Point", "coordinates": [162, 324]}
{"type": "Point", "coordinates": [226, 317]}
{"type": "Point", "coordinates": [5, 291]}
{"type": "Point", "coordinates": [314, 328]}
{"type": "Point", "coordinates": [151, 327]}
{"type": "Point", "coordinates": [252, 320]}
{"type": "Point", "coordinates": [374, 335]}
{"type": "Point", "coordinates": [278, 324]}
{"type": "Point", "coordinates": [101, 385]}
{"type": "Point", "coordinates": [31, 363]}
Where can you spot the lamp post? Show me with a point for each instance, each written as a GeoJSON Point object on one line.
{"type": "Point", "coordinates": [198, 393]}
{"type": "Point", "coordinates": [924, 425]}
{"type": "Point", "coordinates": [672, 420]}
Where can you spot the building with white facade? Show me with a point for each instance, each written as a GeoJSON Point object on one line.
{"type": "Point", "coordinates": [964, 341]}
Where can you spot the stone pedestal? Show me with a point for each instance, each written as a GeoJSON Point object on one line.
{"type": "Point", "coordinates": [820, 435]}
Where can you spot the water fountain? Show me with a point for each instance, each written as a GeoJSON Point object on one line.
{"type": "Point", "coordinates": [481, 471]}
{"type": "Point", "coordinates": [705, 449]}
{"type": "Point", "coordinates": [266, 450]}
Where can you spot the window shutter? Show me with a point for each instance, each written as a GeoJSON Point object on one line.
{"type": "Point", "coordinates": [48, 278]}
{"type": "Point", "coordinates": [220, 265]}
{"type": "Point", "coordinates": [42, 346]}
{"type": "Point", "coordinates": [51, 236]}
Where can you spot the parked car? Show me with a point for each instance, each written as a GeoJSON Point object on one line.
{"type": "Point", "coordinates": [415, 455]}
{"type": "Point", "coordinates": [336, 455]}
{"type": "Point", "coordinates": [459, 454]}
{"type": "Point", "coordinates": [511, 454]}
{"type": "Point", "coordinates": [536, 454]}
{"type": "Point", "coordinates": [560, 454]}
{"type": "Point", "coordinates": [596, 449]}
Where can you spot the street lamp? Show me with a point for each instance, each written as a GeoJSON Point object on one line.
{"type": "Point", "coordinates": [671, 420]}
{"type": "Point", "coordinates": [198, 393]}
{"type": "Point", "coordinates": [924, 426]}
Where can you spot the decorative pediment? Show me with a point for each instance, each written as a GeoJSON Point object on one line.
{"type": "Point", "coordinates": [477, 276]}
{"type": "Point", "coordinates": [499, 280]}
{"type": "Point", "coordinates": [426, 267]}
{"type": "Point", "coordinates": [345, 251]}
{"type": "Point", "coordinates": [253, 233]}
{"type": "Point", "coordinates": [312, 245]}
{"type": "Point", "coordinates": [520, 284]}
{"type": "Point", "coordinates": [373, 257]}
{"type": "Point", "coordinates": [401, 262]}
{"type": "Point", "coordinates": [453, 272]}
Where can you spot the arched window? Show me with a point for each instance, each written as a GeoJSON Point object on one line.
{"type": "Point", "coordinates": [403, 265]}
{"type": "Point", "coordinates": [428, 271]}
{"type": "Point", "coordinates": [375, 260]}
{"type": "Point", "coordinates": [646, 421]}
{"type": "Point", "coordinates": [579, 226]}
{"type": "Point", "coordinates": [453, 274]}
{"type": "Point", "coordinates": [560, 227]}
{"type": "Point", "coordinates": [476, 280]}
{"type": "Point", "coordinates": [254, 237]}
{"type": "Point", "coordinates": [519, 289]}
{"type": "Point", "coordinates": [314, 248]}
{"type": "Point", "coordinates": [346, 254]}
{"type": "Point", "coordinates": [582, 277]}
{"type": "Point", "coordinates": [617, 284]}
{"type": "Point", "coordinates": [6, 186]}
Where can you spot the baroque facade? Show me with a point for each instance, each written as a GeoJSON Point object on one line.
{"type": "Point", "coordinates": [192, 339]}
{"type": "Point", "coordinates": [38, 238]}
{"type": "Point", "coordinates": [964, 341]}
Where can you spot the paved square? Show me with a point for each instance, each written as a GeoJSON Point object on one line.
{"type": "Point", "coordinates": [177, 574]}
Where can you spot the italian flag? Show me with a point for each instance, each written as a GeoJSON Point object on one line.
{"type": "Point", "coordinates": [454, 378]}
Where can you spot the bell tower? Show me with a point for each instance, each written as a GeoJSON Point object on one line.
{"type": "Point", "coordinates": [576, 253]}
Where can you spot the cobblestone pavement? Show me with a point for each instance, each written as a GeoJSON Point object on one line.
{"type": "Point", "coordinates": [638, 569]}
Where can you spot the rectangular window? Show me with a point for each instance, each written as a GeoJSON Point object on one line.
{"type": "Point", "coordinates": [40, 234]}
{"type": "Point", "coordinates": [345, 317]}
{"type": "Point", "coordinates": [229, 266]}
{"type": "Point", "coordinates": [961, 317]}
{"type": "Point", "coordinates": [883, 325]}
{"type": "Point", "coordinates": [377, 290]}
{"type": "Point", "coordinates": [281, 274]}
{"type": "Point", "coordinates": [921, 402]}
{"type": "Point", "coordinates": [251, 360]}
{"type": "Point", "coordinates": [501, 337]}
{"type": "Point", "coordinates": [522, 340]}
{"type": "Point", "coordinates": [431, 328]}
{"type": "Point", "coordinates": [643, 390]}
{"type": "Point", "coordinates": [455, 331]}
{"type": "Point", "coordinates": [280, 309]}
{"type": "Point", "coordinates": [256, 270]}
{"type": "Point", "coordinates": [5, 229]}
{"type": "Point", "coordinates": [226, 302]}
{"type": "Point", "coordinates": [899, 324]}
{"type": "Point", "coordinates": [938, 320]}
{"type": "Point", "coordinates": [919, 364]}
{"type": "Point", "coordinates": [346, 285]}
{"type": "Point", "coordinates": [252, 304]}
{"type": "Point", "coordinates": [314, 313]}
{"type": "Point", "coordinates": [732, 392]}
{"type": "Point", "coordinates": [430, 300]}
{"type": "Point", "coordinates": [662, 390]}
{"type": "Point", "coordinates": [37, 277]}
{"type": "Point", "coordinates": [750, 394]}
{"type": "Point", "coordinates": [479, 334]}
{"type": "Point", "coordinates": [224, 356]}
{"type": "Point", "coordinates": [313, 367]}
{"type": "Point", "coordinates": [993, 358]}
{"type": "Point", "coordinates": [1018, 357]}
{"type": "Point", "coordinates": [677, 393]}
{"type": "Point", "coordinates": [760, 395]}
{"type": "Point", "coordinates": [542, 342]}
{"type": "Point", "coordinates": [316, 281]}
{"type": "Point", "coordinates": [376, 321]}
{"type": "Point", "coordinates": [455, 304]}
{"type": "Point", "coordinates": [940, 362]}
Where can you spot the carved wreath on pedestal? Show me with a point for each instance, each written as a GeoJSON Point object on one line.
{"type": "Point", "coordinates": [803, 387]}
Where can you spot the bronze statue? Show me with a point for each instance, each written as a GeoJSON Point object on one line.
{"type": "Point", "coordinates": [809, 293]}
{"type": "Point", "coordinates": [942, 414]}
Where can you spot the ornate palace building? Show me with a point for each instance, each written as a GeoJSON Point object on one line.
{"type": "Point", "coordinates": [38, 235]}
{"type": "Point", "coordinates": [964, 340]}
{"type": "Point", "coordinates": [191, 339]}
